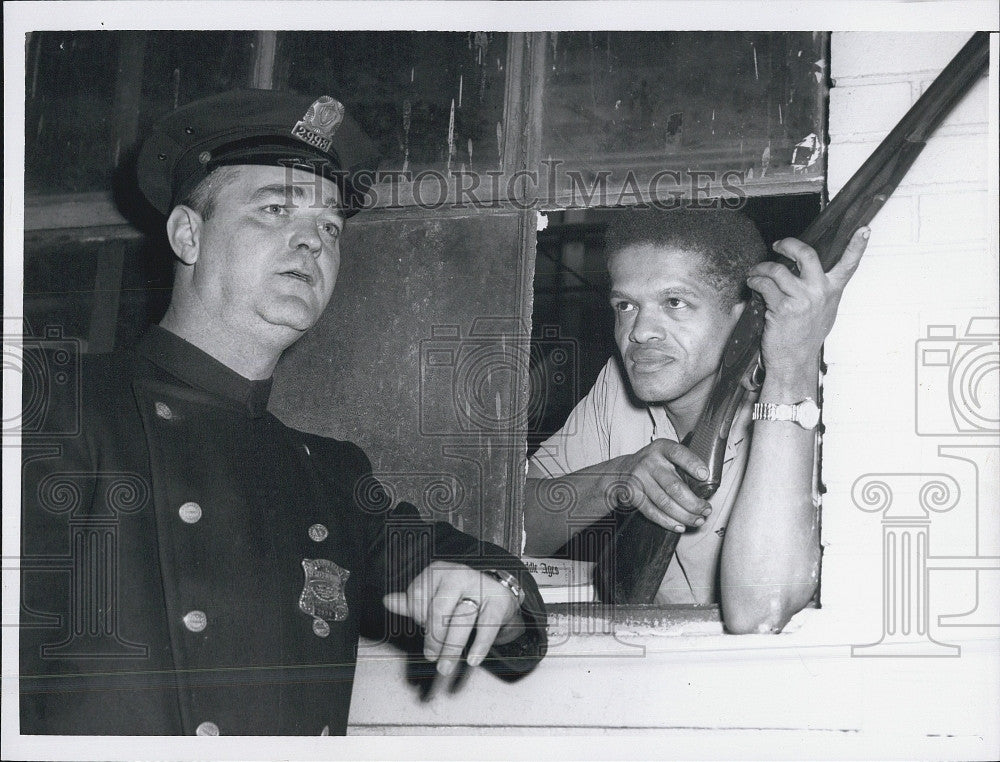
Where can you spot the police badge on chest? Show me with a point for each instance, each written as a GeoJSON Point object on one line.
{"type": "Point", "coordinates": [323, 595]}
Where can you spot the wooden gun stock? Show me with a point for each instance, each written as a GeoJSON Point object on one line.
{"type": "Point", "coordinates": [633, 567]}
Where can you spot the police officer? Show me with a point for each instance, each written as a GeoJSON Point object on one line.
{"type": "Point", "coordinates": [208, 568]}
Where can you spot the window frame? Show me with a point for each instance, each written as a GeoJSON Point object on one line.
{"type": "Point", "coordinates": [89, 216]}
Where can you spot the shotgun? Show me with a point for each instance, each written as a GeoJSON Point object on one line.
{"type": "Point", "coordinates": [635, 561]}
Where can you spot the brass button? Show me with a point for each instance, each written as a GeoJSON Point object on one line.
{"type": "Point", "coordinates": [207, 729]}
{"type": "Point", "coordinates": [190, 513]}
{"type": "Point", "coordinates": [163, 410]}
{"type": "Point", "coordinates": [195, 621]}
{"type": "Point", "coordinates": [320, 627]}
{"type": "Point", "coordinates": [318, 533]}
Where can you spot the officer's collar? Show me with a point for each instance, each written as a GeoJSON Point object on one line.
{"type": "Point", "coordinates": [199, 369]}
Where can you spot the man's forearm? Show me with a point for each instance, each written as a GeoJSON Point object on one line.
{"type": "Point", "coordinates": [556, 508]}
{"type": "Point", "coordinates": [770, 557]}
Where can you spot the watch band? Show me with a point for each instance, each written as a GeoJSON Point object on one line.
{"type": "Point", "coordinates": [804, 413]}
{"type": "Point", "coordinates": [509, 581]}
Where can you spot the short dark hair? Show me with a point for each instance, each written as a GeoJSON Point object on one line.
{"type": "Point", "coordinates": [727, 241]}
{"type": "Point", "coordinates": [203, 196]}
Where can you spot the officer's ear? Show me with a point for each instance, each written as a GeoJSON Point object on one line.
{"type": "Point", "coordinates": [184, 233]}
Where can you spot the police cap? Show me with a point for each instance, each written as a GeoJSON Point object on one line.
{"type": "Point", "coordinates": [255, 127]}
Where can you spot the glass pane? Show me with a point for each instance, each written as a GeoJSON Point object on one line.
{"type": "Point", "coordinates": [59, 287]}
{"type": "Point", "coordinates": [90, 95]}
{"type": "Point", "coordinates": [683, 102]}
{"type": "Point", "coordinates": [69, 94]}
{"type": "Point", "coordinates": [427, 99]}
{"type": "Point", "coordinates": [60, 278]}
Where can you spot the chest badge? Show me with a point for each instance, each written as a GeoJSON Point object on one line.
{"type": "Point", "coordinates": [323, 593]}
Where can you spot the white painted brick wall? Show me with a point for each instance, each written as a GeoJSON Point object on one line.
{"type": "Point", "coordinates": [873, 54]}
{"type": "Point", "coordinates": [868, 107]}
{"type": "Point", "coordinates": [932, 260]}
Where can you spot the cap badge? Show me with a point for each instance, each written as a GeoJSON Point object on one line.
{"type": "Point", "coordinates": [320, 122]}
{"type": "Point", "coordinates": [323, 593]}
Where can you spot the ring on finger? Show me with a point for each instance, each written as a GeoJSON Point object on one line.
{"type": "Point", "coordinates": [475, 603]}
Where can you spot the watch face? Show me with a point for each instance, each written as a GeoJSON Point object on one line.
{"type": "Point", "coordinates": [808, 414]}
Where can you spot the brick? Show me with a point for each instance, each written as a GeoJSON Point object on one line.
{"type": "Point", "coordinates": [868, 108]}
{"type": "Point", "coordinates": [870, 334]}
{"type": "Point", "coordinates": [854, 54]}
{"type": "Point", "coordinates": [974, 108]}
{"type": "Point", "coordinates": [894, 224]}
{"type": "Point", "coordinates": [952, 217]}
{"type": "Point", "coordinates": [951, 159]}
{"type": "Point", "coordinates": [946, 159]}
{"type": "Point", "coordinates": [914, 282]}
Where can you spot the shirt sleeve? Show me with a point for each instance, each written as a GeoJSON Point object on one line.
{"type": "Point", "coordinates": [584, 440]}
{"type": "Point", "coordinates": [399, 544]}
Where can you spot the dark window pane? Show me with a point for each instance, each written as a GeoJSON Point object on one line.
{"type": "Point", "coordinates": [69, 93]}
{"type": "Point", "coordinates": [427, 99]}
{"type": "Point", "coordinates": [61, 286]}
{"type": "Point", "coordinates": [91, 95]}
{"type": "Point", "coordinates": [709, 101]}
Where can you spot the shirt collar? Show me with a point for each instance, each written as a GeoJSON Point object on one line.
{"type": "Point", "coordinates": [662, 427]}
{"type": "Point", "coordinates": [199, 369]}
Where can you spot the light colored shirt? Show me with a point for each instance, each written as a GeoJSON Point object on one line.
{"type": "Point", "coordinates": [608, 423]}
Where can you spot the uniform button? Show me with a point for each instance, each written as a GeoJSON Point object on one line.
{"type": "Point", "coordinates": [320, 627]}
{"type": "Point", "coordinates": [163, 410]}
{"type": "Point", "coordinates": [196, 621]}
{"type": "Point", "coordinates": [318, 533]}
{"type": "Point", "coordinates": [306, 448]}
{"type": "Point", "coordinates": [207, 729]}
{"type": "Point", "coordinates": [190, 513]}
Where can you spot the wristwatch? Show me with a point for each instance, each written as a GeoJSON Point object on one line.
{"type": "Point", "coordinates": [509, 581]}
{"type": "Point", "coordinates": [804, 413]}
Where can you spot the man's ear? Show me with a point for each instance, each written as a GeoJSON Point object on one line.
{"type": "Point", "coordinates": [184, 233]}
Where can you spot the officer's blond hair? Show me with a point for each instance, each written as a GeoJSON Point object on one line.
{"type": "Point", "coordinates": [203, 196]}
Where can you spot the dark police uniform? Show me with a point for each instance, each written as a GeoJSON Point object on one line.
{"type": "Point", "coordinates": [190, 565]}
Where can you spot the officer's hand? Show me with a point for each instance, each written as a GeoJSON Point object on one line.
{"type": "Point", "coordinates": [801, 308]}
{"type": "Point", "coordinates": [648, 480]}
{"type": "Point", "coordinates": [450, 601]}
